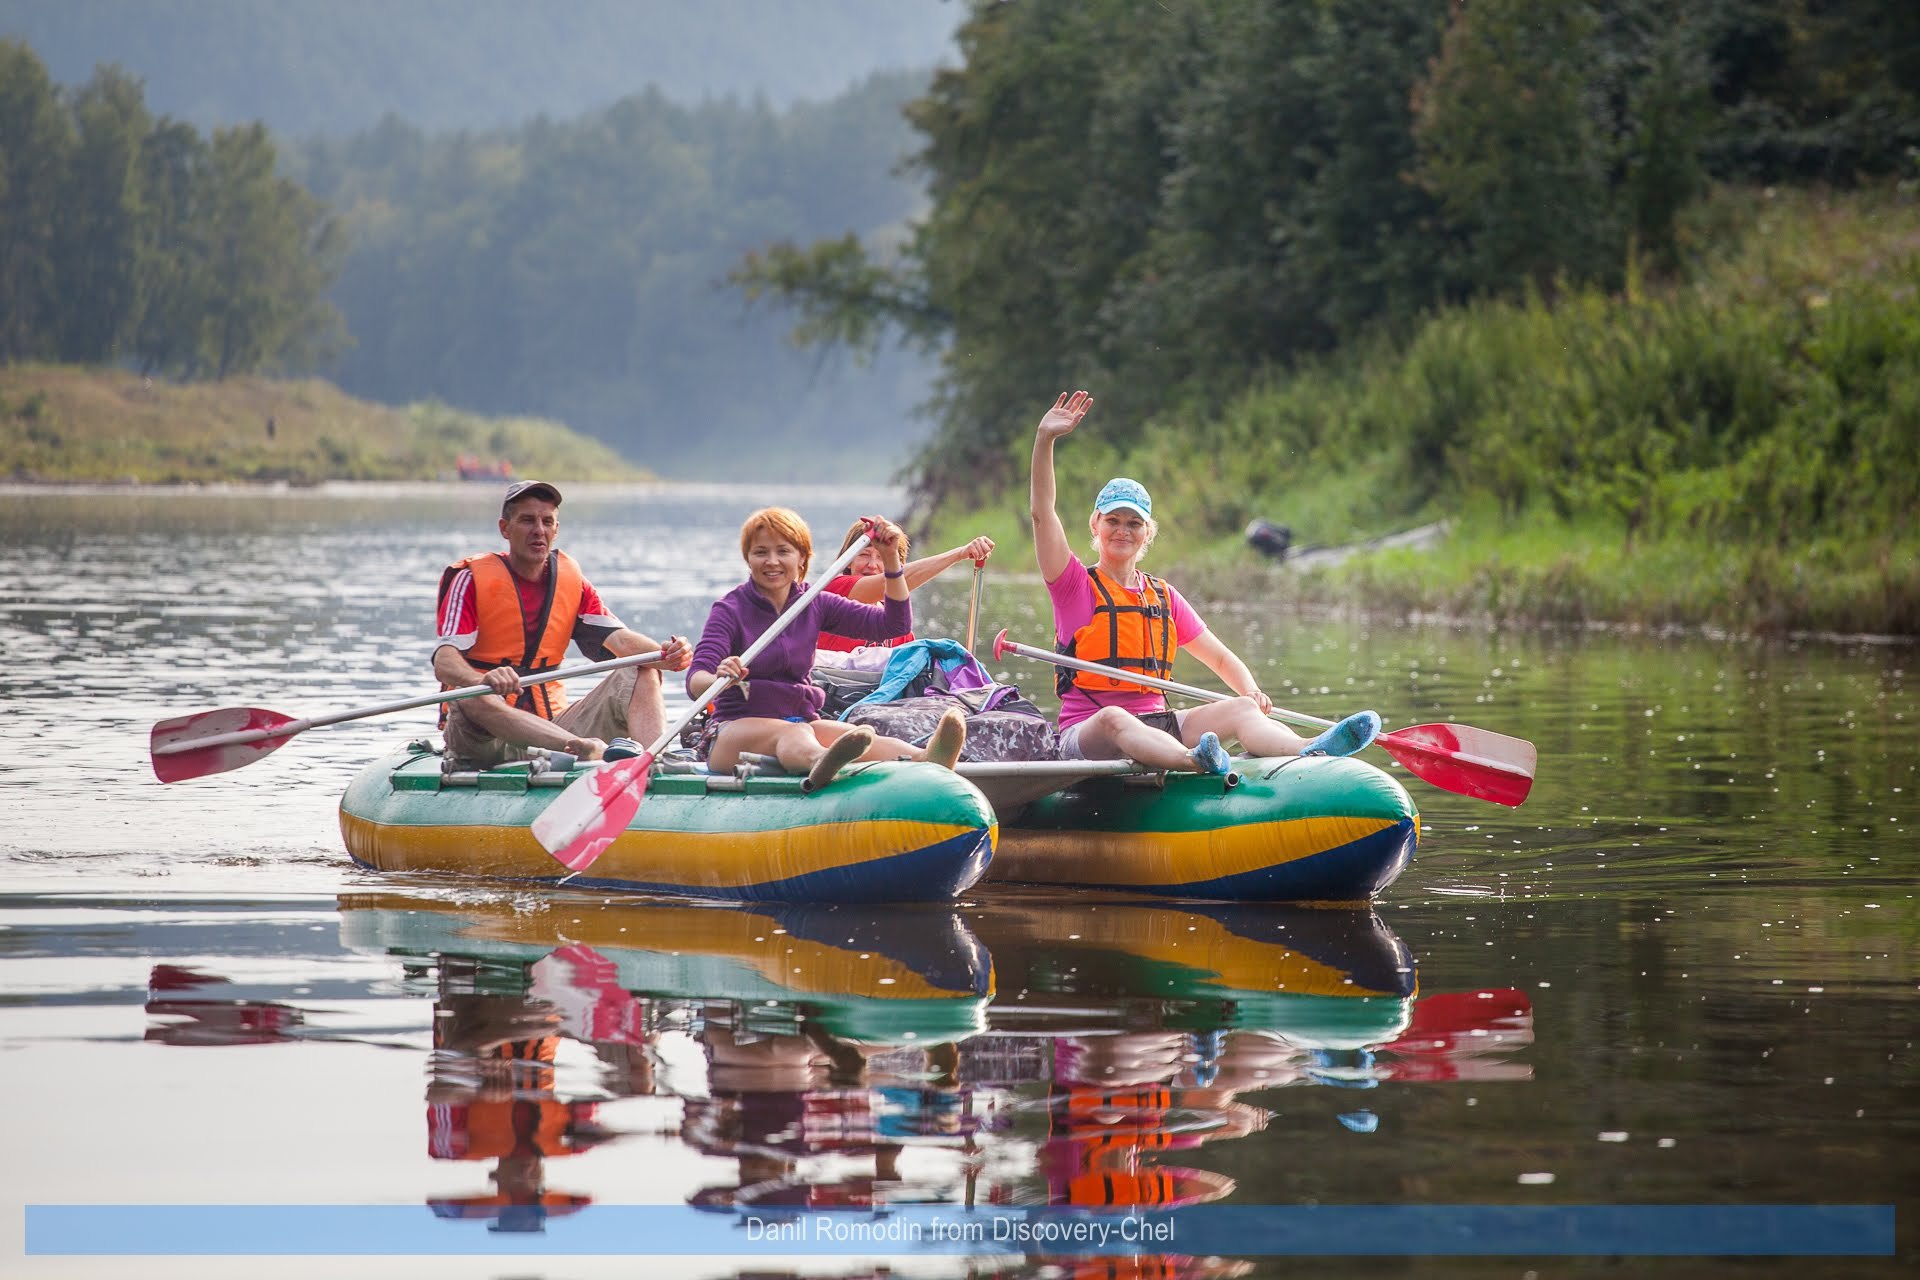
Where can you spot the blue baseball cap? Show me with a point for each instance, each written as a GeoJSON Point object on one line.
{"type": "Point", "coordinates": [1122, 492]}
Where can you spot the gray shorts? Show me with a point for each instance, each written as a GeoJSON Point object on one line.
{"type": "Point", "coordinates": [1070, 738]}
{"type": "Point", "coordinates": [601, 714]}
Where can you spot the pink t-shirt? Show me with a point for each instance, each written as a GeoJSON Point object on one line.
{"type": "Point", "coordinates": [1073, 601]}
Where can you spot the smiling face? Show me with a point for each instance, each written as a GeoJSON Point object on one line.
{"type": "Point", "coordinates": [531, 528]}
{"type": "Point", "coordinates": [774, 563]}
{"type": "Point", "coordinates": [1121, 536]}
{"type": "Point", "coordinates": [866, 564]}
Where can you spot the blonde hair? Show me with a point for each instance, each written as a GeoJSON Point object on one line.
{"type": "Point", "coordinates": [784, 524]}
{"type": "Point", "coordinates": [859, 527]}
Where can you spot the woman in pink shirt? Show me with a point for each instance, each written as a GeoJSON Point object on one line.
{"type": "Point", "coordinates": [1112, 613]}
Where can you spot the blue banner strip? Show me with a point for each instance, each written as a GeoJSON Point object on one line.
{"type": "Point", "coordinates": [1231, 1230]}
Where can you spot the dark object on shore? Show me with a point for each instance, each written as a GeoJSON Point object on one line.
{"type": "Point", "coordinates": [1270, 538]}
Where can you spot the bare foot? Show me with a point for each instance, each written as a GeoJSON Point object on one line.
{"type": "Point", "coordinates": [586, 748]}
{"type": "Point", "coordinates": [949, 736]}
{"type": "Point", "coordinates": [846, 748]}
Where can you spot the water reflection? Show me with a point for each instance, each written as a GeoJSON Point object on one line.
{"type": "Point", "coordinates": [1046, 1053]}
{"type": "Point", "coordinates": [822, 1035]}
{"type": "Point", "coordinates": [188, 1007]}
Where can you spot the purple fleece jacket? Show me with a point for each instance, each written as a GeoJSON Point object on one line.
{"type": "Point", "coordinates": [779, 680]}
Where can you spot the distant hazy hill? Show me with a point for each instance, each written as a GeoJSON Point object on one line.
{"type": "Point", "coordinates": [333, 67]}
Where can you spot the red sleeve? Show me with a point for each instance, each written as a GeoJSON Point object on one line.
{"type": "Point", "coordinates": [459, 618]}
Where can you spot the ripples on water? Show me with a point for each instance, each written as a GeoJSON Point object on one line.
{"type": "Point", "coordinates": [1693, 947]}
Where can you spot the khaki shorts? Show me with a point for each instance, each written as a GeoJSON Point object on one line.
{"type": "Point", "coordinates": [601, 714]}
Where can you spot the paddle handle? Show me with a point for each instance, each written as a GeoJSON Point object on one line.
{"type": "Point", "coordinates": [1002, 645]}
{"type": "Point", "coordinates": [301, 725]}
{"type": "Point", "coordinates": [787, 615]}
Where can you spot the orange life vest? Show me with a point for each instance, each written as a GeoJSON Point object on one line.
{"type": "Point", "coordinates": [1142, 1187]}
{"type": "Point", "coordinates": [504, 628]}
{"type": "Point", "coordinates": [1131, 630]}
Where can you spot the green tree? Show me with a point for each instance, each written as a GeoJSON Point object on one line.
{"type": "Point", "coordinates": [1513, 140]}
{"type": "Point", "coordinates": [35, 140]}
{"type": "Point", "coordinates": [100, 258]}
{"type": "Point", "coordinates": [271, 249]}
{"type": "Point", "coordinates": [172, 250]}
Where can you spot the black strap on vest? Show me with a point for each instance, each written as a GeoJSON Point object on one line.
{"type": "Point", "coordinates": [1148, 665]}
{"type": "Point", "coordinates": [539, 631]}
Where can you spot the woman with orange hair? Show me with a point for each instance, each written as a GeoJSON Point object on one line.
{"type": "Point", "coordinates": [774, 709]}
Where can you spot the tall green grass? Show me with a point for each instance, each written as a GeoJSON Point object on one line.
{"type": "Point", "coordinates": [1740, 449]}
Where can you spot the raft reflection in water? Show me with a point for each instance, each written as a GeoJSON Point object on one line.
{"type": "Point", "coordinates": [1024, 1053]}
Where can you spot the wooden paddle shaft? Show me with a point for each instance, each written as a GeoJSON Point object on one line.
{"type": "Point", "coordinates": [973, 604]}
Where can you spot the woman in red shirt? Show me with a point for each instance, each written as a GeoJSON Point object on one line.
{"type": "Point", "coordinates": [862, 581]}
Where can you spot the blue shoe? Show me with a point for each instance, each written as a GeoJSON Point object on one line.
{"type": "Point", "coordinates": [1210, 756]}
{"type": "Point", "coordinates": [1345, 738]}
{"type": "Point", "coordinates": [621, 749]}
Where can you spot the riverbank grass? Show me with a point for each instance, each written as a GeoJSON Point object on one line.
{"type": "Point", "coordinates": [61, 423]}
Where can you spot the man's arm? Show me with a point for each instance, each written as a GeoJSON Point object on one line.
{"type": "Point", "coordinates": [675, 655]}
{"type": "Point", "coordinates": [453, 669]}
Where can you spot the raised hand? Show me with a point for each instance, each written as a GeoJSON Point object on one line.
{"type": "Point", "coordinates": [979, 549]}
{"type": "Point", "coordinates": [1065, 414]}
{"type": "Point", "coordinates": [885, 533]}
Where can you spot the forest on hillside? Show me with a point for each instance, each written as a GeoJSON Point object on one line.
{"type": "Point", "coordinates": [577, 270]}
{"type": "Point", "coordinates": [134, 239]}
{"type": "Point", "coordinates": [571, 270]}
{"type": "Point", "coordinates": [329, 68]}
{"type": "Point", "coordinates": [1179, 205]}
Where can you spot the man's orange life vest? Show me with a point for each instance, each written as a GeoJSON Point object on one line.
{"type": "Point", "coordinates": [508, 637]}
{"type": "Point", "coordinates": [1131, 630]}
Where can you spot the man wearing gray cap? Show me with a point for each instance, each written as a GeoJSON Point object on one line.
{"type": "Point", "coordinates": [502, 614]}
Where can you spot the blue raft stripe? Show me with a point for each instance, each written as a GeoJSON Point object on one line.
{"type": "Point", "coordinates": [961, 965]}
{"type": "Point", "coordinates": [936, 872]}
{"type": "Point", "coordinates": [1350, 872]}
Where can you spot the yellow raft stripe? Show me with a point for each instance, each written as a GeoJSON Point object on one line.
{"type": "Point", "coordinates": [754, 941]}
{"type": "Point", "coordinates": [688, 860]}
{"type": "Point", "coordinates": [1172, 857]}
{"type": "Point", "coordinates": [1191, 940]}
{"type": "Point", "coordinates": [1185, 939]}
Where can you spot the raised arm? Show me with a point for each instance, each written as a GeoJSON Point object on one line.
{"type": "Point", "coordinates": [868, 590]}
{"type": "Point", "coordinates": [1049, 535]}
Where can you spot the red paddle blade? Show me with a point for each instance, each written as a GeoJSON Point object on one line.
{"type": "Point", "coordinates": [584, 819]}
{"type": "Point", "coordinates": [1465, 760]}
{"type": "Point", "coordinates": [175, 758]}
{"type": "Point", "coordinates": [1464, 1035]}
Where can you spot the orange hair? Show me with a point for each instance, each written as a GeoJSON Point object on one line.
{"type": "Point", "coordinates": [784, 524]}
{"type": "Point", "coordinates": [859, 527]}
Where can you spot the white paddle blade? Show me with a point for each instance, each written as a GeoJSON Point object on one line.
{"type": "Point", "coordinates": [586, 817]}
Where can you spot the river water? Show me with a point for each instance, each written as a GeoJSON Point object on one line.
{"type": "Point", "coordinates": [1682, 974]}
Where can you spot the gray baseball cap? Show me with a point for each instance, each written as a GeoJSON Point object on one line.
{"type": "Point", "coordinates": [529, 489]}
